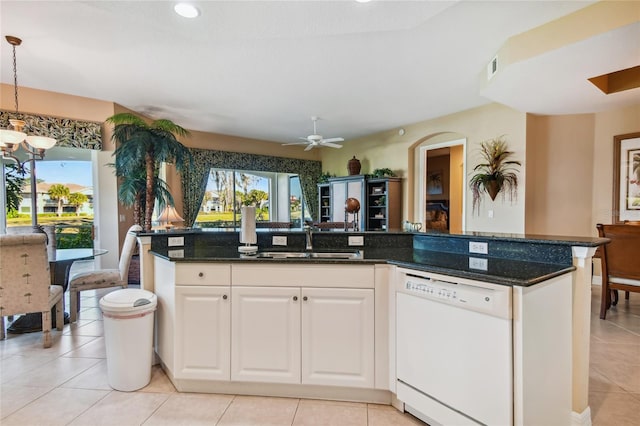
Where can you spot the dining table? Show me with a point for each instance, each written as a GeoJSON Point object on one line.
{"type": "Point", "coordinates": [60, 263]}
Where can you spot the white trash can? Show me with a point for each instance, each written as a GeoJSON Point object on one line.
{"type": "Point", "coordinates": [128, 337]}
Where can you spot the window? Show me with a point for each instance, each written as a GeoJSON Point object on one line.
{"type": "Point", "coordinates": [276, 196]}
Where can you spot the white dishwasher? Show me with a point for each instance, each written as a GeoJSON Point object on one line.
{"type": "Point", "coordinates": [454, 349]}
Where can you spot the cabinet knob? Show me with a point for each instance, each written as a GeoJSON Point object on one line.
{"type": "Point", "coordinates": [225, 297]}
{"type": "Point", "coordinates": [295, 298]}
{"type": "Point", "coordinates": [305, 298]}
{"type": "Point", "coordinates": [201, 274]}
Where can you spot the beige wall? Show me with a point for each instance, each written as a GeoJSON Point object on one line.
{"type": "Point", "coordinates": [559, 170]}
{"type": "Point", "coordinates": [607, 125]}
{"type": "Point", "coordinates": [389, 149]}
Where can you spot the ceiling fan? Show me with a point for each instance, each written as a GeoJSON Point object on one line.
{"type": "Point", "coordinates": [316, 140]}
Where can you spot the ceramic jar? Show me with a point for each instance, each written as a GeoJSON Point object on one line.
{"type": "Point", "coordinates": [353, 166]}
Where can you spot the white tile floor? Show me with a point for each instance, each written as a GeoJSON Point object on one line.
{"type": "Point", "coordinates": [67, 384]}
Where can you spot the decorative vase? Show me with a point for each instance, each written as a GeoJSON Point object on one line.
{"type": "Point", "coordinates": [493, 189]}
{"type": "Point", "coordinates": [353, 166]}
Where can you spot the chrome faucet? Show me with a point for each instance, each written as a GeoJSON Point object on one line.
{"type": "Point", "coordinates": [308, 230]}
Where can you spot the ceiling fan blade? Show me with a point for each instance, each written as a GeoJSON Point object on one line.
{"type": "Point", "coordinates": [332, 145]}
{"type": "Point", "coordinates": [296, 143]}
{"type": "Point", "coordinates": [310, 147]}
{"type": "Point", "coordinates": [304, 139]}
{"type": "Point", "coordinates": [333, 140]}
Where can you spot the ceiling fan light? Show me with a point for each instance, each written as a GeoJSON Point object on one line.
{"type": "Point", "coordinates": [186, 10]}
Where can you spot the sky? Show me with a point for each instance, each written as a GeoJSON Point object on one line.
{"type": "Point", "coordinates": [78, 172]}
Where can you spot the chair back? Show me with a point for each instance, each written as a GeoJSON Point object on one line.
{"type": "Point", "coordinates": [24, 274]}
{"type": "Point", "coordinates": [622, 254]}
{"type": "Point", "coordinates": [129, 246]}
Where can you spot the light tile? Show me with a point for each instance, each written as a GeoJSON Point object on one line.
{"type": "Point", "coordinates": [16, 365]}
{"type": "Point", "coordinates": [93, 349]}
{"type": "Point", "coordinates": [93, 328]}
{"type": "Point", "coordinates": [626, 376]}
{"type": "Point", "coordinates": [263, 411]}
{"type": "Point", "coordinates": [54, 373]}
{"type": "Point", "coordinates": [322, 413]}
{"type": "Point", "coordinates": [58, 407]}
{"type": "Point", "coordinates": [159, 383]}
{"type": "Point", "coordinates": [90, 314]}
{"type": "Point", "coordinates": [190, 409]}
{"type": "Point", "coordinates": [385, 415]}
{"type": "Point", "coordinates": [613, 409]}
{"type": "Point", "coordinates": [599, 383]}
{"type": "Point", "coordinates": [14, 398]}
{"type": "Point", "coordinates": [92, 378]}
{"type": "Point", "coordinates": [121, 408]}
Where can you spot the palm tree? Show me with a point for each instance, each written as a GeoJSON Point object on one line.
{"type": "Point", "coordinates": [142, 146]}
{"type": "Point", "coordinates": [15, 183]}
{"type": "Point", "coordinates": [59, 192]}
{"type": "Point", "coordinates": [77, 199]}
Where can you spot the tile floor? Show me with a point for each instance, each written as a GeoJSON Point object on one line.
{"type": "Point", "coordinates": [67, 384]}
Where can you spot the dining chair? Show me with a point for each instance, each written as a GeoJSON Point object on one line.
{"type": "Point", "coordinates": [620, 266]}
{"type": "Point", "coordinates": [25, 282]}
{"type": "Point", "coordinates": [103, 278]}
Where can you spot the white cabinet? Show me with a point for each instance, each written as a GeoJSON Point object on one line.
{"type": "Point", "coordinates": [266, 334]}
{"type": "Point", "coordinates": [338, 337]}
{"type": "Point", "coordinates": [309, 336]}
{"type": "Point", "coordinates": [194, 319]}
{"type": "Point", "coordinates": [202, 334]}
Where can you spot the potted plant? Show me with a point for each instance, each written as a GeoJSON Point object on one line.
{"type": "Point", "coordinates": [496, 173]}
{"type": "Point", "coordinates": [380, 173]}
{"type": "Point", "coordinates": [141, 148]}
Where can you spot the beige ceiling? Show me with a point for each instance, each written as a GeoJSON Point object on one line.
{"type": "Point", "coordinates": [262, 69]}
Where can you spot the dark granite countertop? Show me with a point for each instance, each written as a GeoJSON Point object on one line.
{"type": "Point", "coordinates": [499, 270]}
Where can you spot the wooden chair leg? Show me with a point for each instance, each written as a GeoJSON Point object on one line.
{"type": "Point", "coordinates": [73, 309]}
{"type": "Point", "coordinates": [626, 295]}
{"type": "Point", "coordinates": [604, 300]}
{"type": "Point", "coordinates": [46, 329]}
{"type": "Point", "coordinates": [2, 335]}
{"type": "Point", "coordinates": [60, 314]}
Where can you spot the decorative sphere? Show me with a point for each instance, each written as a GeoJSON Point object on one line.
{"type": "Point", "coordinates": [352, 205]}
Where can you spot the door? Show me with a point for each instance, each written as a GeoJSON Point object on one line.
{"type": "Point", "coordinates": [265, 330]}
{"type": "Point", "coordinates": [338, 337]}
{"type": "Point", "coordinates": [203, 315]}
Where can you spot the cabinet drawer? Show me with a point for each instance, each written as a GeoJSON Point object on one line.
{"type": "Point", "coordinates": [203, 274]}
{"type": "Point", "coordinates": [299, 275]}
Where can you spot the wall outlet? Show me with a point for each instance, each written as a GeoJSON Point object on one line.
{"type": "Point", "coordinates": [279, 240]}
{"type": "Point", "coordinates": [477, 247]}
{"type": "Point", "coordinates": [478, 263]}
{"type": "Point", "coordinates": [356, 240]}
{"type": "Point", "coordinates": [175, 241]}
{"type": "Point", "coordinates": [176, 253]}
{"type": "Point", "coordinates": [490, 214]}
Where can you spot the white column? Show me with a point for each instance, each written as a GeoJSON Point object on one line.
{"type": "Point", "coordinates": [146, 264]}
{"type": "Point", "coordinates": [581, 309]}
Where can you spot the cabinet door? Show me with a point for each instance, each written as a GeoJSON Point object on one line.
{"type": "Point", "coordinates": [202, 334]}
{"type": "Point", "coordinates": [265, 329]}
{"type": "Point", "coordinates": [342, 190]}
{"type": "Point", "coordinates": [338, 337]}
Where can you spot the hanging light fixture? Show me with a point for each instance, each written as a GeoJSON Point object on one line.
{"type": "Point", "coordinates": [14, 137]}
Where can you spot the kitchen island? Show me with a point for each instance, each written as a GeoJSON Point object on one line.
{"type": "Point", "coordinates": [337, 316]}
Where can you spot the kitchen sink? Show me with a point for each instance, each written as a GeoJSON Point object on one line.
{"type": "Point", "coordinates": [357, 254]}
{"type": "Point", "coordinates": [282, 254]}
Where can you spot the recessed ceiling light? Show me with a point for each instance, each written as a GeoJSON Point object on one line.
{"type": "Point", "coordinates": [186, 10]}
{"type": "Point", "coordinates": [363, 1]}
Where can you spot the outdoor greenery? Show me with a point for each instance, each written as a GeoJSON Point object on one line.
{"type": "Point", "coordinates": [59, 193]}
{"type": "Point", "coordinates": [15, 183]}
{"type": "Point", "coordinates": [141, 148]}
{"type": "Point", "coordinates": [496, 173]}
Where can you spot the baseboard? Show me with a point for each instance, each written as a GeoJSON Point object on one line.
{"type": "Point", "coordinates": [581, 419]}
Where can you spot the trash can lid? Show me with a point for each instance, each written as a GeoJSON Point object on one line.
{"type": "Point", "coordinates": [129, 300]}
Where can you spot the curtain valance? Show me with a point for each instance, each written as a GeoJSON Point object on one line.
{"type": "Point", "coordinates": [194, 178]}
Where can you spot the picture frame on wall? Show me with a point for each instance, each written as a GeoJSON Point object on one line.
{"type": "Point", "coordinates": [626, 180]}
{"type": "Point", "coordinates": [434, 182]}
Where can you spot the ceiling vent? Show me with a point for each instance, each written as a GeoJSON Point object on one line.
{"type": "Point", "coordinates": [492, 68]}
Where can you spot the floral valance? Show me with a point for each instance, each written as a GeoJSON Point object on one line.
{"type": "Point", "coordinates": [194, 178]}
{"type": "Point", "coordinates": [68, 132]}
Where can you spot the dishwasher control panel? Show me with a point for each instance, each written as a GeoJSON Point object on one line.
{"type": "Point", "coordinates": [493, 301]}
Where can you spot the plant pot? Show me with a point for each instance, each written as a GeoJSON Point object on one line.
{"type": "Point", "coordinates": [493, 189]}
